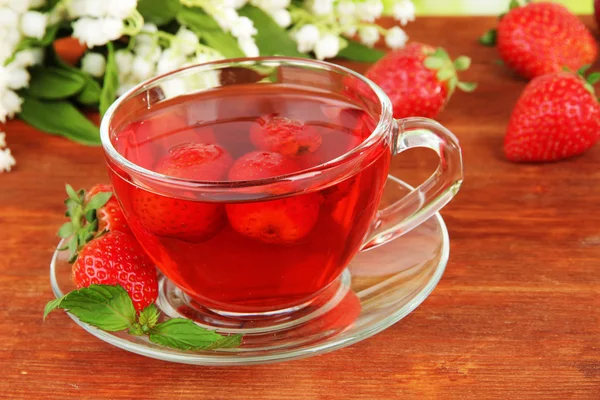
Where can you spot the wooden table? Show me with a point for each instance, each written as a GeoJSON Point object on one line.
{"type": "Point", "coordinates": [517, 314]}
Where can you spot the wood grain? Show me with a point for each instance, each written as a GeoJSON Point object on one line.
{"type": "Point", "coordinates": [516, 316]}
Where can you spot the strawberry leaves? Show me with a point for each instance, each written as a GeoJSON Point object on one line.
{"type": "Point", "coordinates": [83, 224]}
{"type": "Point", "coordinates": [441, 62]}
{"type": "Point", "coordinates": [110, 308]}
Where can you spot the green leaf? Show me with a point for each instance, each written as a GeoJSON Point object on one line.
{"type": "Point", "coordinates": [103, 306]}
{"type": "Point", "coordinates": [59, 118]}
{"type": "Point", "coordinates": [489, 38]}
{"type": "Point", "coordinates": [271, 39]}
{"type": "Point", "coordinates": [111, 80]}
{"type": "Point", "coordinates": [445, 73]}
{"type": "Point", "coordinates": [98, 201]}
{"type": "Point", "coordinates": [159, 12]}
{"type": "Point", "coordinates": [51, 306]}
{"type": "Point", "coordinates": [462, 63]}
{"type": "Point", "coordinates": [467, 86]}
{"type": "Point", "coordinates": [183, 334]}
{"type": "Point", "coordinates": [72, 193]}
{"type": "Point", "coordinates": [356, 51]}
{"type": "Point", "coordinates": [91, 92]}
{"type": "Point", "coordinates": [433, 62]}
{"type": "Point", "coordinates": [149, 316]}
{"type": "Point", "coordinates": [227, 342]}
{"type": "Point", "coordinates": [593, 78]}
{"type": "Point", "coordinates": [209, 31]}
{"type": "Point", "coordinates": [51, 83]}
{"type": "Point", "coordinates": [583, 70]}
{"type": "Point", "coordinates": [65, 230]}
{"type": "Point", "coordinates": [514, 4]}
{"type": "Point", "coordinates": [90, 216]}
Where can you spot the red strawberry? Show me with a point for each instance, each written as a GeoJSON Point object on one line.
{"type": "Point", "coordinates": [284, 135]}
{"type": "Point", "coordinates": [184, 219]}
{"type": "Point", "coordinates": [540, 38]}
{"type": "Point", "coordinates": [557, 116]}
{"type": "Point", "coordinates": [110, 216]}
{"type": "Point", "coordinates": [116, 258]}
{"type": "Point", "coordinates": [282, 221]}
{"type": "Point", "coordinates": [419, 80]}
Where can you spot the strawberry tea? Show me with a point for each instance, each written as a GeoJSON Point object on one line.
{"type": "Point", "coordinates": [265, 250]}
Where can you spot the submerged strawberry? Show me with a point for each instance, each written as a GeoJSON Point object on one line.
{"type": "Point", "coordinates": [184, 219]}
{"type": "Point", "coordinates": [282, 221]}
{"type": "Point", "coordinates": [116, 258]}
{"type": "Point", "coordinates": [284, 135]}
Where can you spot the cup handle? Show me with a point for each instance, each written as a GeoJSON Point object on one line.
{"type": "Point", "coordinates": [433, 194]}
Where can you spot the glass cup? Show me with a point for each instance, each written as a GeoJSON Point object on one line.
{"type": "Point", "coordinates": [226, 272]}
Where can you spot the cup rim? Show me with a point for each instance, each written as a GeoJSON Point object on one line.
{"type": "Point", "coordinates": [385, 119]}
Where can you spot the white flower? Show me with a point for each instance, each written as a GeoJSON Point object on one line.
{"type": "Point", "coordinates": [33, 24]}
{"type": "Point", "coordinates": [142, 69]}
{"type": "Point", "coordinates": [327, 47]}
{"type": "Point", "coordinates": [124, 60]}
{"type": "Point", "coordinates": [282, 17]}
{"type": "Point", "coordinates": [321, 7]}
{"type": "Point", "coordinates": [237, 4]}
{"type": "Point", "coordinates": [125, 87]}
{"type": "Point", "coordinates": [404, 11]}
{"type": "Point", "coordinates": [149, 28]}
{"type": "Point", "coordinates": [88, 8]}
{"type": "Point", "coordinates": [307, 37]}
{"type": "Point", "coordinates": [10, 104]}
{"type": "Point", "coordinates": [15, 77]}
{"type": "Point", "coordinates": [19, 6]}
{"type": "Point", "coordinates": [7, 161]}
{"type": "Point", "coordinates": [396, 37]}
{"type": "Point", "coordinates": [346, 8]}
{"type": "Point", "coordinates": [369, 10]}
{"type": "Point", "coordinates": [249, 47]}
{"type": "Point", "coordinates": [170, 60]}
{"type": "Point", "coordinates": [226, 18]}
{"type": "Point", "coordinates": [94, 64]}
{"type": "Point", "coordinates": [369, 35]}
{"type": "Point", "coordinates": [173, 87]}
{"type": "Point", "coordinates": [97, 32]}
{"type": "Point", "coordinates": [29, 57]}
{"type": "Point", "coordinates": [188, 41]}
{"type": "Point", "coordinates": [350, 30]}
{"type": "Point", "coordinates": [2, 139]}
{"type": "Point", "coordinates": [150, 52]}
{"type": "Point", "coordinates": [120, 8]}
{"type": "Point", "coordinates": [243, 28]}
{"type": "Point", "coordinates": [8, 18]}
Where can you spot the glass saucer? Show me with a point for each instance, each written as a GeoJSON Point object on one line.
{"type": "Point", "coordinates": [380, 287]}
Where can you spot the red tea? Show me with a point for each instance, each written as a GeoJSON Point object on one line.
{"type": "Point", "coordinates": [252, 254]}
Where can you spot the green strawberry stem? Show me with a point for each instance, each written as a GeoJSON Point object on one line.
{"type": "Point", "coordinates": [83, 224]}
{"type": "Point", "coordinates": [109, 307]}
{"type": "Point", "coordinates": [490, 38]}
{"type": "Point", "coordinates": [446, 68]}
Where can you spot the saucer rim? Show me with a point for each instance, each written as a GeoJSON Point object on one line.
{"type": "Point", "coordinates": [340, 341]}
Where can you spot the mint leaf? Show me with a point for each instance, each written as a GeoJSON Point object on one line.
{"type": "Point", "coordinates": [183, 334]}
{"type": "Point", "coordinates": [149, 316]}
{"type": "Point", "coordinates": [103, 306]}
{"type": "Point", "coordinates": [98, 201]}
{"type": "Point", "coordinates": [356, 51]}
{"type": "Point", "coordinates": [209, 31]}
{"type": "Point", "coordinates": [159, 12]}
{"type": "Point", "coordinates": [51, 83]}
{"type": "Point", "coordinates": [270, 38]}
{"type": "Point", "coordinates": [227, 342]}
{"type": "Point", "coordinates": [59, 118]}
{"type": "Point", "coordinates": [111, 80]}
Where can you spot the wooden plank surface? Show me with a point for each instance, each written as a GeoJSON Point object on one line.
{"type": "Point", "coordinates": [516, 316]}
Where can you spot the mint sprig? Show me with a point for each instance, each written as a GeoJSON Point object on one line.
{"type": "Point", "coordinates": [110, 308]}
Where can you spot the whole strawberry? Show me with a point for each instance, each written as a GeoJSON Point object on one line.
{"type": "Point", "coordinates": [116, 258]}
{"type": "Point", "coordinates": [544, 37]}
{"type": "Point", "coordinates": [110, 216]}
{"type": "Point", "coordinates": [419, 79]}
{"type": "Point", "coordinates": [90, 214]}
{"type": "Point", "coordinates": [557, 116]}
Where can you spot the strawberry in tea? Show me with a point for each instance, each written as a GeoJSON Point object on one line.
{"type": "Point", "coordinates": [272, 243]}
